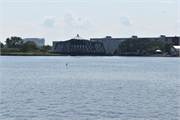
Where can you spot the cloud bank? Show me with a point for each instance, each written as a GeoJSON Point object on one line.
{"type": "Point", "coordinates": [27, 25]}
{"type": "Point", "coordinates": [76, 21]}
{"type": "Point", "coordinates": [69, 20]}
{"type": "Point", "coordinates": [49, 21]}
{"type": "Point", "coordinates": [124, 19]}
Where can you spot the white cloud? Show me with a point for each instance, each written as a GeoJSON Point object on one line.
{"type": "Point", "coordinates": [176, 24]}
{"type": "Point", "coordinates": [69, 16]}
{"type": "Point", "coordinates": [27, 25]}
{"type": "Point", "coordinates": [49, 21]}
{"type": "Point", "coordinates": [83, 22]}
{"type": "Point", "coordinates": [72, 20]}
{"type": "Point", "coordinates": [124, 19]}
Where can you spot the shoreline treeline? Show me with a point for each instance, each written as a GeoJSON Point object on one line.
{"type": "Point", "coordinates": [15, 46]}
{"type": "Point", "coordinates": [143, 46]}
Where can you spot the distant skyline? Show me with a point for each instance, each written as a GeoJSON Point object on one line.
{"type": "Point", "coordinates": [62, 20]}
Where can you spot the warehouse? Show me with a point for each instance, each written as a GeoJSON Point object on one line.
{"type": "Point", "coordinates": [110, 44]}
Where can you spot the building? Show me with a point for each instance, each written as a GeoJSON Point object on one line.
{"type": "Point", "coordinates": [175, 40]}
{"type": "Point", "coordinates": [54, 43]}
{"type": "Point", "coordinates": [175, 50]}
{"type": "Point", "coordinates": [110, 44]}
{"type": "Point", "coordinates": [79, 46]}
{"type": "Point", "coordinates": [38, 41]}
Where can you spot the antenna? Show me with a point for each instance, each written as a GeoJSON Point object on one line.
{"type": "Point", "coordinates": [78, 37]}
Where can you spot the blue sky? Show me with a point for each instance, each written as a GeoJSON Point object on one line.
{"type": "Point", "coordinates": [58, 20]}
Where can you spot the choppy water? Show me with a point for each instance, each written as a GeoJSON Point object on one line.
{"type": "Point", "coordinates": [89, 88]}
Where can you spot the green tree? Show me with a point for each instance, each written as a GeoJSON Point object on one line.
{"type": "Point", "coordinates": [155, 43]}
{"type": "Point", "coordinates": [132, 45]}
{"type": "Point", "coordinates": [46, 47]}
{"type": "Point", "coordinates": [115, 51]}
{"type": "Point", "coordinates": [144, 52]}
{"type": "Point", "coordinates": [166, 46]}
{"type": "Point", "coordinates": [29, 46]}
{"type": "Point", "coordinates": [153, 49]}
{"type": "Point", "coordinates": [2, 45]}
{"type": "Point", "coordinates": [14, 42]}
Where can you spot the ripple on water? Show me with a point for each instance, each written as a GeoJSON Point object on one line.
{"type": "Point", "coordinates": [89, 88]}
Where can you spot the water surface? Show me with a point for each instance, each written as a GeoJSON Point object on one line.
{"type": "Point", "coordinates": [89, 88]}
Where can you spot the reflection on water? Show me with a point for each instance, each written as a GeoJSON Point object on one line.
{"type": "Point", "coordinates": [89, 88]}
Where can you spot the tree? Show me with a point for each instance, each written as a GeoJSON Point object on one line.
{"type": "Point", "coordinates": [115, 51]}
{"type": "Point", "coordinates": [14, 42]}
{"type": "Point", "coordinates": [155, 43]}
{"type": "Point", "coordinates": [46, 47]}
{"type": "Point", "coordinates": [2, 45]}
{"type": "Point", "coordinates": [153, 49]}
{"type": "Point", "coordinates": [144, 52]}
{"type": "Point", "coordinates": [132, 45]}
{"type": "Point", "coordinates": [28, 46]}
{"type": "Point", "coordinates": [166, 46]}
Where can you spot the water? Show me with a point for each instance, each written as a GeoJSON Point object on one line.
{"type": "Point", "coordinates": [89, 88]}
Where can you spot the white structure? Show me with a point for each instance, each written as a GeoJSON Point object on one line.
{"type": "Point", "coordinates": [38, 41]}
{"type": "Point", "coordinates": [175, 50]}
{"type": "Point", "coordinates": [110, 44]}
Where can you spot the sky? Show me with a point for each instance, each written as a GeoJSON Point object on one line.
{"type": "Point", "coordinates": [59, 20]}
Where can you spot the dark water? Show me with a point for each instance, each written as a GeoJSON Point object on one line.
{"type": "Point", "coordinates": [89, 88]}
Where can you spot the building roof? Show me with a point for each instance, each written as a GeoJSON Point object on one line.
{"type": "Point", "coordinates": [158, 50]}
{"type": "Point", "coordinates": [161, 37]}
{"type": "Point", "coordinates": [177, 47]}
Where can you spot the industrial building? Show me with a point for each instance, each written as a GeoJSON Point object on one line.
{"type": "Point", "coordinates": [38, 41]}
{"type": "Point", "coordinates": [110, 44]}
{"type": "Point", "coordinates": [175, 40]}
{"type": "Point", "coordinates": [79, 46]}
{"type": "Point", "coordinates": [53, 45]}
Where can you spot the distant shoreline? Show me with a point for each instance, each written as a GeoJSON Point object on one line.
{"type": "Point", "coordinates": [92, 55]}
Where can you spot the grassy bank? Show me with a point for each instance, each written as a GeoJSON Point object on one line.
{"type": "Point", "coordinates": [30, 53]}
{"type": "Point", "coordinates": [16, 52]}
